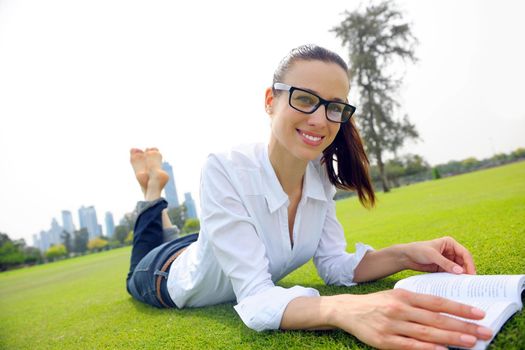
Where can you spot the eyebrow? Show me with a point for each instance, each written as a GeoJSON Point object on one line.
{"type": "Point", "coordinates": [336, 99]}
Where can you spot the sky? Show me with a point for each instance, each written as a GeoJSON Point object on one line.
{"type": "Point", "coordinates": [81, 82]}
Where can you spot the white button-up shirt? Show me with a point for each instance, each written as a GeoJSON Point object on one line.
{"type": "Point", "coordinates": [244, 244]}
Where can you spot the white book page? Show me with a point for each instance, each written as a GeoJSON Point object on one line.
{"type": "Point", "coordinates": [495, 287]}
{"type": "Point", "coordinates": [496, 314]}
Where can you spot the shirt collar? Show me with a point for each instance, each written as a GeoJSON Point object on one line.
{"type": "Point", "coordinates": [274, 193]}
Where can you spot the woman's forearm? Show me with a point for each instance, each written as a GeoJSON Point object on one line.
{"type": "Point", "coordinates": [380, 263]}
{"type": "Point", "coordinates": [310, 313]}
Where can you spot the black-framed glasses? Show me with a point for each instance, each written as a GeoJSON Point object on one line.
{"type": "Point", "coordinates": [308, 102]}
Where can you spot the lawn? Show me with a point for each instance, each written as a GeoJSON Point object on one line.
{"type": "Point", "coordinates": [82, 303]}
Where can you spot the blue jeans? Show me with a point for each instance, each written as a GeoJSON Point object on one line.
{"type": "Point", "coordinates": [149, 254]}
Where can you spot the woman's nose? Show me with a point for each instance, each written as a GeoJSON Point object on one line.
{"type": "Point", "coordinates": [318, 117]}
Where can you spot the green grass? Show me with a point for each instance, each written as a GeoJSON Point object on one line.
{"type": "Point", "coordinates": [82, 303]}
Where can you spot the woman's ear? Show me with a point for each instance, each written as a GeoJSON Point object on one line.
{"type": "Point", "coordinates": [268, 100]}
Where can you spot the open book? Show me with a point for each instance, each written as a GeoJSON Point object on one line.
{"type": "Point", "coordinates": [498, 295]}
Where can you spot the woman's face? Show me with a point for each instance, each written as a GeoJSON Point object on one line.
{"type": "Point", "coordinates": [305, 136]}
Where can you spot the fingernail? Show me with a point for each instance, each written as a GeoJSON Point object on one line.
{"type": "Point", "coordinates": [477, 312]}
{"type": "Point", "coordinates": [484, 331]}
{"type": "Point", "coordinates": [468, 339]}
{"type": "Point", "coordinates": [457, 269]}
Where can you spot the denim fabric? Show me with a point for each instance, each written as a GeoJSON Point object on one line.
{"type": "Point", "coordinates": [149, 255]}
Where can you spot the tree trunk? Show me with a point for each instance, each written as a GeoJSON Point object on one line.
{"type": "Point", "coordinates": [381, 166]}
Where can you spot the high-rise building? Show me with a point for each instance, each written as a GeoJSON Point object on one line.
{"type": "Point", "coordinates": [170, 190]}
{"type": "Point", "coordinates": [189, 203]}
{"type": "Point", "coordinates": [50, 237]}
{"type": "Point", "coordinates": [88, 219]}
{"type": "Point", "coordinates": [110, 224]}
{"type": "Point", "coordinates": [67, 221]}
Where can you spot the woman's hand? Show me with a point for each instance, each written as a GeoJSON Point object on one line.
{"type": "Point", "coordinates": [399, 319]}
{"type": "Point", "coordinates": [438, 255]}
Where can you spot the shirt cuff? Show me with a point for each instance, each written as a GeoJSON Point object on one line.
{"type": "Point", "coordinates": [360, 251]}
{"type": "Point", "coordinates": [264, 311]}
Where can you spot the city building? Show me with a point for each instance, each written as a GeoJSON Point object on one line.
{"type": "Point", "coordinates": [88, 219]}
{"type": "Point", "coordinates": [170, 190]}
{"type": "Point", "coordinates": [189, 203]}
{"type": "Point", "coordinates": [67, 221]}
{"type": "Point", "coordinates": [110, 224]}
{"type": "Point", "coordinates": [50, 237]}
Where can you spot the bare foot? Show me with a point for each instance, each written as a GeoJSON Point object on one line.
{"type": "Point", "coordinates": [138, 162]}
{"type": "Point", "coordinates": [157, 178]}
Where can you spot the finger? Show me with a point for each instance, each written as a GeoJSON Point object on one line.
{"type": "Point", "coordinates": [438, 304]}
{"type": "Point", "coordinates": [467, 260]}
{"type": "Point", "coordinates": [400, 342]}
{"type": "Point", "coordinates": [437, 320]}
{"type": "Point", "coordinates": [434, 335]}
{"type": "Point", "coordinates": [446, 264]}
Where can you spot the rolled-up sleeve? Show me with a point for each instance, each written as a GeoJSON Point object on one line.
{"type": "Point", "coordinates": [334, 264]}
{"type": "Point", "coordinates": [232, 233]}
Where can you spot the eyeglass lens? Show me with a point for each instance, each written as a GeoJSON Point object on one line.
{"type": "Point", "coordinates": [307, 102]}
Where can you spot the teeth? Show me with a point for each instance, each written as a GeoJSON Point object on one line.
{"type": "Point", "coordinates": [311, 138]}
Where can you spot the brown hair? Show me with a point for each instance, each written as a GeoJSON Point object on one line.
{"type": "Point", "coordinates": [347, 149]}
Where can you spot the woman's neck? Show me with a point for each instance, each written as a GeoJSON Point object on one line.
{"type": "Point", "coordinates": [289, 170]}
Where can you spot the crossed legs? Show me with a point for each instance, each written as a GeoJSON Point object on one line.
{"type": "Point", "coordinates": [151, 222]}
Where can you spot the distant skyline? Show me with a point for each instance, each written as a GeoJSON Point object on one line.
{"type": "Point", "coordinates": [83, 82]}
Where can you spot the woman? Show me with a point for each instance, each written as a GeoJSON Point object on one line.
{"type": "Point", "coordinates": [268, 209]}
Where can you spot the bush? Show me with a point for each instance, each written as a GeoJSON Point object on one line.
{"type": "Point", "coordinates": [56, 251]}
{"type": "Point", "coordinates": [191, 225]}
{"type": "Point", "coordinates": [97, 244]}
{"type": "Point", "coordinates": [129, 238]}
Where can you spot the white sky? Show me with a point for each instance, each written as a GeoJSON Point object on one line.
{"type": "Point", "coordinates": [83, 81]}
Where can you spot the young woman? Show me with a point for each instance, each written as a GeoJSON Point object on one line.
{"type": "Point", "coordinates": [268, 209]}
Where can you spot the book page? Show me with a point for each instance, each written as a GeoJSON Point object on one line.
{"type": "Point", "coordinates": [495, 287]}
{"type": "Point", "coordinates": [497, 313]}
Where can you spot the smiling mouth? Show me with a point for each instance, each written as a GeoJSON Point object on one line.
{"type": "Point", "coordinates": [311, 139]}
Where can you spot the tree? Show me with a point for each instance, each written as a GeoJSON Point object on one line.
{"type": "Point", "coordinates": [10, 255]}
{"type": "Point", "coordinates": [66, 239]}
{"type": "Point", "coordinates": [518, 153]}
{"type": "Point", "coordinates": [129, 238]}
{"type": "Point", "coordinates": [56, 251]}
{"type": "Point", "coordinates": [80, 240]}
{"type": "Point", "coordinates": [191, 225]}
{"type": "Point", "coordinates": [376, 38]}
{"type": "Point", "coordinates": [178, 215]}
{"type": "Point", "coordinates": [120, 233]}
{"type": "Point", "coordinates": [97, 244]}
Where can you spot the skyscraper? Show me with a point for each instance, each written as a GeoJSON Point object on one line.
{"type": "Point", "coordinates": [170, 190]}
{"type": "Point", "coordinates": [110, 224]}
{"type": "Point", "coordinates": [50, 237]}
{"type": "Point", "coordinates": [191, 212]}
{"type": "Point", "coordinates": [88, 219]}
{"type": "Point", "coordinates": [67, 221]}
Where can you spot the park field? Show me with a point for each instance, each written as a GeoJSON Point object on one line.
{"type": "Point", "coordinates": [82, 303]}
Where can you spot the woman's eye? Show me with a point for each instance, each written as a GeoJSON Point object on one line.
{"type": "Point", "coordinates": [305, 100]}
{"type": "Point", "coordinates": [334, 107]}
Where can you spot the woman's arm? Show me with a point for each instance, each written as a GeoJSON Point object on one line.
{"type": "Point", "coordinates": [438, 255]}
{"type": "Point", "coordinates": [393, 319]}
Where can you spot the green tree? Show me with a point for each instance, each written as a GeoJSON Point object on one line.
{"type": "Point", "coordinates": [80, 240]}
{"type": "Point", "coordinates": [518, 153]}
{"type": "Point", "coordinates": [120, 233]}
{"type": "Point", "coordinates": [178, 215]}
{"type": "Point", "coordinates": [377, 37]}
{"type": "Point", "coordinates": [129, 238]}
{"type": "Point", "coordinates": [435, 173]}
{"type": "Point", "coordinates": [56, 251]}
{"type": "Point", "coordinates": [191, 225]}
{"type": "Point", "coordinates": [10, 255]}
{"type": "Point", "coordinates": [66, 239]}
{"type": "Point", "coordinates": [414, 164]}
{"type": "Point", "coordinates": [97, 244]}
